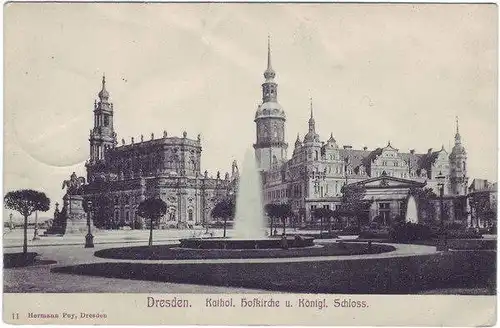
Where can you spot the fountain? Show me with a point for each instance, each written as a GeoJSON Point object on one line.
{"type": "Point", "coordinates": [411, 210]}
{"type": "Point", "coordinates": [249, 224]}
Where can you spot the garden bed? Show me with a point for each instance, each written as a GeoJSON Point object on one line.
{"type": "Point", "coordinates": [173, 252]}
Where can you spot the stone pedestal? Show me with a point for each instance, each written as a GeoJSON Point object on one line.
{"type": "Point", "coordinates": [76, 216]}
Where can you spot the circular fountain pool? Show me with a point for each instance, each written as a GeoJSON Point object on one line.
{"type": "Point", "coordinates": [242, 243]}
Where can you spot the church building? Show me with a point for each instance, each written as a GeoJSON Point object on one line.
{"type": "Point", "coordinates": [168, 167]}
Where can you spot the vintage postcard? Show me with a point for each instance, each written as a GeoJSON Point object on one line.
{"type": "Point", "coordinates": [250, 164]}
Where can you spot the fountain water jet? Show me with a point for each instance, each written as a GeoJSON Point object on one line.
{"type": "Point", "coordinates": [249, 223]}
{"type": "Point", "coordinates": [249, 217]}
{"type": "Point", "coordinates": [411, 210]}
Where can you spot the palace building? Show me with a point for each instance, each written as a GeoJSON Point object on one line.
{"type": "Point", "coordinates": [317, 170]}
{"type": "Point", "coordinates": [167, 167]}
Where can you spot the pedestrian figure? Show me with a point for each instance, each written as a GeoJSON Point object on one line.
{"type": "Point", "coordinates": [284, 242]}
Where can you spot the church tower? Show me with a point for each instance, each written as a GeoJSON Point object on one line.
{"type": "Point", "coordinates": [270, 146]}
{"type": "Point", "coordinates": [458, 165]}
{"type": "Point", "coordinates": [102, 136]}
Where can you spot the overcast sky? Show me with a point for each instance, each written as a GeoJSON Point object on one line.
{"type": "Point", "coordinates": [375, 72]}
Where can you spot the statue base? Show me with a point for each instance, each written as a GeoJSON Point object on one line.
{"type": "Point", "coordinates": [76, 218]}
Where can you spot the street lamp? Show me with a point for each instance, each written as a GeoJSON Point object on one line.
{"type": "Point", "coordinates": [442, 236]}
{"type": "Point", "coordinates": [89, 239]}
{"type": "Point", "coordinates": [35, 233]}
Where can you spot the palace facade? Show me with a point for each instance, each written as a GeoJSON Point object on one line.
{"type": "Point", "coordinates": [167, 167]}
{"type": "Point", "coordinates": [317, 170]}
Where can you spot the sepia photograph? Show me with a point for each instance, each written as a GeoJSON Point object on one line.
{"type": "Point", "coordinates": [249, 149]}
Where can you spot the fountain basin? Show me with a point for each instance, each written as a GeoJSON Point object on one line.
{"type": "Point", "coordinates": [235, 243]}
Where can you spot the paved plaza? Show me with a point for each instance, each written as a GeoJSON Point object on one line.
{"type": "Point", "coordinates": [69, 250]}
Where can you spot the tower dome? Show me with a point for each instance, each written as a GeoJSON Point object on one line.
{"type": "Point", "coordinates": [458, 148]}
{"type": "Point", "coordinates": [103, 94]}
{"type": "Point", "coordinates": [331, 142]}
{"type": "Point", "coordinates": [270, 109]}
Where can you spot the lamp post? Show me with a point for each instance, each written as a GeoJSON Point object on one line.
{"type": "Point", "coordinates": [89, 239]}
{"type": "Point", "coordinates": [35, 233]}
{"type": "Point", "coordinates": [442, 244]}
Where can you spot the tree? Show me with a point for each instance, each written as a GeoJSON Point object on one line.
{"type": "Point", "coordinates": [482, 207]}
{"type": "Point", "coordinates": [153, 209]}
{"type": "Point", "coordinates": [279, 211]}
{"type": "Point", "coordinates": [224, 210]}
{"type": "Point", "coordinates": [352, 203]}
{"type": "Point", "coordinates": [323, 214]}
{"type": "Point", "coordinates": [26, 201]}
{"type": "Point", "coordinates": [103, 210]}
{"type": "Point", "coordinates": [271, 212]}
{"type": "Point", "coordinates": [426, 206]}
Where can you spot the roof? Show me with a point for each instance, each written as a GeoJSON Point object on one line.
{"type": "Point", "coordinates": [355, 157]}
{"type": "Point", "coordinates": [386, 181]}
{"type": "Point", "coordinates": [365, 157]}
{"type": "Point", "coordinates": [482, 185]}
{"type": "Point", "coordinates": [270, 109]}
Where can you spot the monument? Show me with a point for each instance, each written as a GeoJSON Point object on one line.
{"type": "Point", "coordinates": [72, 217]}
{"type": "Point", "coordinates": [76, 219]}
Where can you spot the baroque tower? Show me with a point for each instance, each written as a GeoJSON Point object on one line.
{"type": "Point", "coordinates": [270, 146]}
{"type": "Point", "coordinates": [102, 136]}
{"type": "Point", "coordinates": [458, 165]}
{"type": "Point", "coordinates": [311, 143]}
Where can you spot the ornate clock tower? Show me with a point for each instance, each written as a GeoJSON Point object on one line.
{"type": "Point", "coordinates": [270, 147]}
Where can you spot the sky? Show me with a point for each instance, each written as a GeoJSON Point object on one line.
{"type": "Point", "coordinates": [376, 73]}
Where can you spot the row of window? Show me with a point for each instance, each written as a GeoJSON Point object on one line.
{"type": "Point", "coordinates": [154, 162]}
{"type": "Point", "coordinates": [383, 207]}
{"type": "Point", "coordinates": [336, 208]}
{"type": "Point", "coordinates": [276, 194]}
{"type": "Point", "coordinates": [170, 216]}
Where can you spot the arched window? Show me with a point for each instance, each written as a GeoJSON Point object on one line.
{"type": "Point", "coordinates": [171, 214]}
{"type": "Point", "coordinates": [316, 155]}
{"type": "Point", "coordinates": [190, 214]}
{"type": "Point", "coordinates": [463, 164]}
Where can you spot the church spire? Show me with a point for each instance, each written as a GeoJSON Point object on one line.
{"type": "Point", "coordinates": [457, 134]}
{"type": "Point", "coordinates": [269, 87]}
{"type": "Point", "coordinates": [269, 52]}
{"type": "Point", "coordinates": [269, 73]}
{"type": "Point", "coordinates": [311, 136]}
{"type": "Point", "coordinates": [312, 123]}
